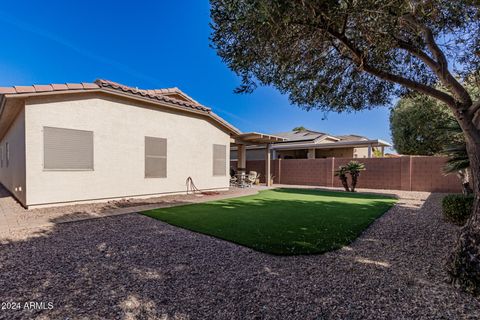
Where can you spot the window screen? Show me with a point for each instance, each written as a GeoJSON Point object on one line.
{"type": "Point", "coordinates": [67, 149]}
{"type": "Point", "coordinates": [219, 160]}
{"type": "Point", "coordinates": [155, 157]}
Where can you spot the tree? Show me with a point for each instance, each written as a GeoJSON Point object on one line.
{"type": "Point", "coordinates": [418, 126]}
{"type": "Point", "coordinates": [341, 172]}
{"type": "Point", "coordinates": [346, 55]}
{"type": "Point", "coordinates": [301, 128]}
{"type": "Point", "coordinates": [377, 153]}
{"type": "Point", "coordinates": [354, 168]}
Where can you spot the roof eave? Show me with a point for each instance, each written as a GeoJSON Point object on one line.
{"type": "Point", "coordinates": [224, 124]}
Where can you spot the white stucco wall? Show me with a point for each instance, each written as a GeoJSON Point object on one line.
{"type": "Point", "coordinates": [13, 176]}
{"type": "Point", "coordinates": [119, 131]}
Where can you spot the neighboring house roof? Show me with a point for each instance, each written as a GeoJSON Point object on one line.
{"type": "Point", "coordinates": [352, 137]}
{"type": "Point", "coordinates": [301, 139]}
{"type": "Point", "coordinates": [170, 97]}
{"type": "Point", "coordinates": [301, 135]}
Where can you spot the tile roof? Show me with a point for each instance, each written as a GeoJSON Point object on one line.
{"type": "Point", "coordinates": [154, 94]}
{"type": "Point", "coordinates": [48, 88]}
{"type": "Point", "coordinates": [157, 95]}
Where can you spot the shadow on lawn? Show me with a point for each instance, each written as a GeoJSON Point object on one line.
{"type": "Point", "coordinates": [336, 193]}
{"type": "Point", "coordinates": [134, 267]}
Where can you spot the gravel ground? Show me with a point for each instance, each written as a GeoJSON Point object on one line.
{"type": "Point", "coordinates": [14, 218]}
{"type": "Point", "coordinates": [134, 267]}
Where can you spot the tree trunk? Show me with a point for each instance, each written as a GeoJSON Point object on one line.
{"type": "Point", "coordinates": [464, 263]}
{"type": "Point", "coordinates": [345, 183]}
{"type": "Point", "coordinates": [354, 181]}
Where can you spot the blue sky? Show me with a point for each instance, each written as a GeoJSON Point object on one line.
{"type": "Point", "coordinates": [153, 44]}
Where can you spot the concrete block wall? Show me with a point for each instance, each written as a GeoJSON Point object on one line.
{"type": "Point", "coordinates": [411, 173]}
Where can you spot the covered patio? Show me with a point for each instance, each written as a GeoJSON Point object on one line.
{"type": "Point", "coordinates": [254, 138]}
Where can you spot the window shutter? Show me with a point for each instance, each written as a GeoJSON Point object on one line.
{"type": "Point", "coordinates": [155, 157]}
{"type": "Point", "coordinates": [219, 160]}
{"type": "Point", "coordinates": [67, 149]}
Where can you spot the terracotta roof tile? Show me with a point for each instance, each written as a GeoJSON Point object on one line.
{"type": "Point", "coordinates": [152, 94]}
{"type": "Point", "coordinates": [90, 85]}
{"type": "Point", "coordinates": [59, 87]}
{"type": "Point", "coordinates": [42, 88]}
{"type": "Point", "coordinates": [74, 86]}
{"type": "Point", "coordinates": [5, 90]}
{"type": "Point", "coordinates": [24, 89]}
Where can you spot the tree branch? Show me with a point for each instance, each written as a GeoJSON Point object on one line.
{"type": "Point", "coordinates": [447, 79]}
{"type": "Point", "coordinates": [474, 108]}
{"type": "Point", "coordinates": [402, 44]}
{"type": "Point", "coordinates": [359, 59]}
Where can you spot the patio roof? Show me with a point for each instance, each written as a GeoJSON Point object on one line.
{"type": "Point", "coordinates": [339, 144]}
{"type": "Point", "coordinates": [257, 138]}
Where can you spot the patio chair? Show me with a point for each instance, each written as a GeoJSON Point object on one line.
{"type": "Point", "coordinates": [233, 181]}
{"type": "Point", "coordinates": [251, 178]}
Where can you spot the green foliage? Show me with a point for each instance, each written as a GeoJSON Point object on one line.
{"type": "Point", "coordinates": [456, 152]}
{"type": "Point", "coordinates": [354, 168]}
{"type": "Point", "coordinates": [336, 55]}
{"type": "Point", "coordinates": [282, 221]}
{"type": "Point", "coordinates": [300, 128]}
{"type": "Point", "coordinates": [457, 208]}
{"type": "Point", "coordinates": [341, 172]}
{"type": "Point", "coordinates": [418, 126]}
{"type": "Point", "coordinates": [377, 153]}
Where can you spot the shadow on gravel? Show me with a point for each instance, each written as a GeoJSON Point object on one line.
{"type": "Point", "coordinates": [134, 267]}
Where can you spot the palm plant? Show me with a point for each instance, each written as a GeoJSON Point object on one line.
{"type": "Point", "coordinates": [458, 161]}
{"type": "Point", "coordinates": [354, 168]}
{"type": "Point", "coordinates": [342, 174]}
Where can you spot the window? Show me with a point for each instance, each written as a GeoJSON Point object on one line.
{"type": "Point", "coordinates": [155, 157]}
{"type": "Point", "coordinates": [219, 160]}
{"type": "Point", "coordinates": [67, 149]}
{"type": "Point", "coordinates": [7, 154]}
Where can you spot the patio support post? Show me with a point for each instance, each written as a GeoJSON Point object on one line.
{"type": "Point", "coordinates": [311, 153]}
{"type": "Point", "coordinates": [369, 150]}
{"type": "Point", "coordinates": [242, 158]}
{"type": "Point", "coordinates": [383, 151]}
{"type": "Point", "coordinates": [268, 181]}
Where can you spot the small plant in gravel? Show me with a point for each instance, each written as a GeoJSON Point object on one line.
{"type": "Point", "coordinates": [457, 208]}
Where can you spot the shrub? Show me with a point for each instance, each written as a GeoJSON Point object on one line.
{"type": "Point", "coordinates": [457, 208]}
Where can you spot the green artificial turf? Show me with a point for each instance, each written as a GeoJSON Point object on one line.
{"type": "Point", "coordinates": [282, 221]}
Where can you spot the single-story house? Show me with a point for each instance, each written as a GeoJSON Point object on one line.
{"type": "Point", "coordinates": [63, 143]}
{"type": "Point", "coordinates": [309, 144]}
